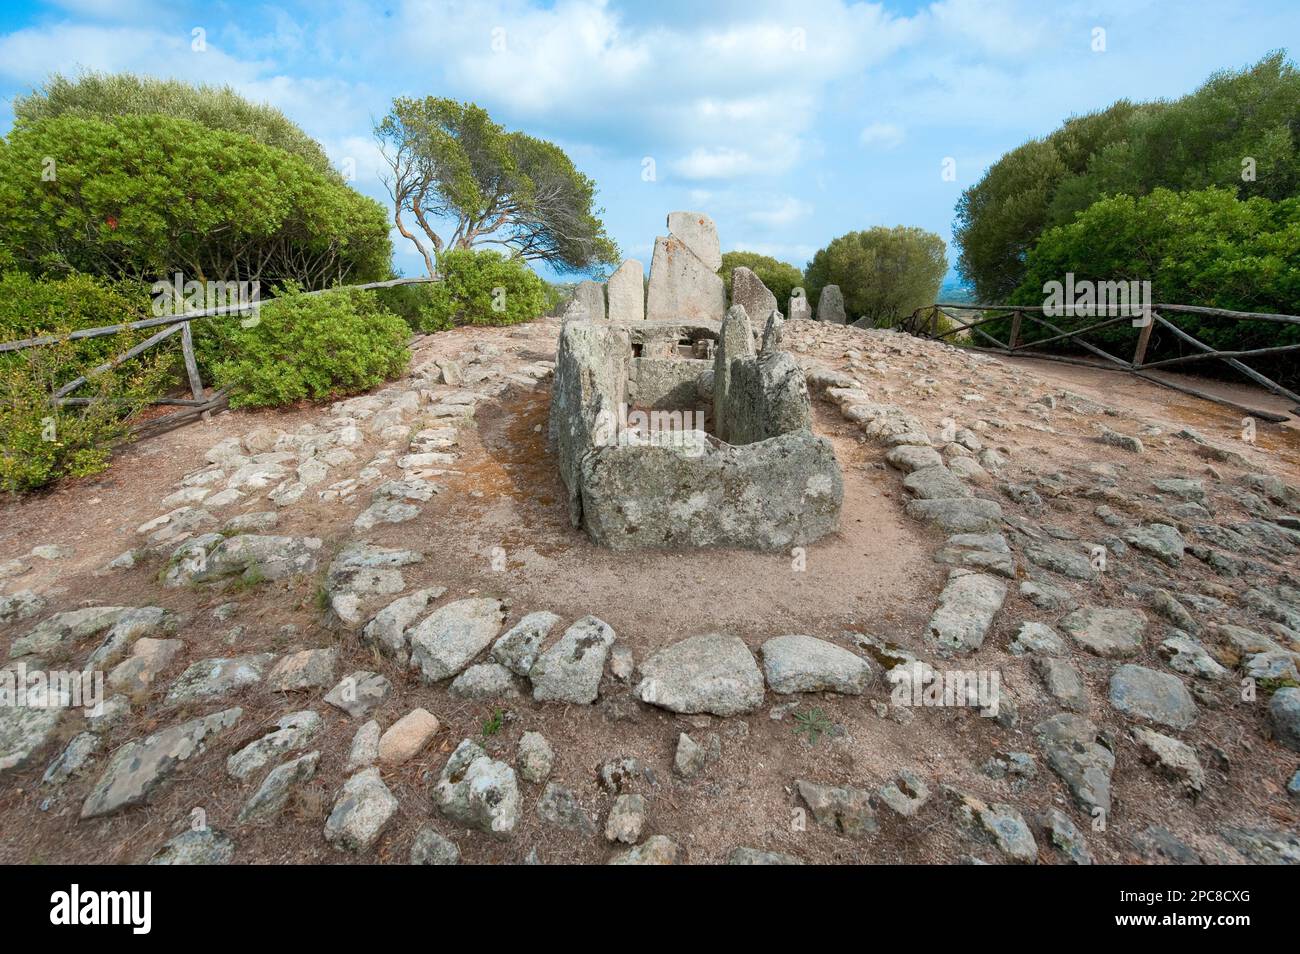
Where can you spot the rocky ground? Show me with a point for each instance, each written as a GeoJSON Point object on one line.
{"type": "Point", "coordinates": [367, 632]}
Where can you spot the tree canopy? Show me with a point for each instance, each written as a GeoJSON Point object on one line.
{"type": "Point", "coordinates": [1239, 130]}
{"type": "Point", "coordinates": [109, 95]}
{"type": "Point", "coordinates": [885, 274]}
{"type": "Point", "coordinates": [781, 278]}
{"type": "Point", "coordinates": [142, 197]}
{"type": "Point", "coordinates": [450, 163]}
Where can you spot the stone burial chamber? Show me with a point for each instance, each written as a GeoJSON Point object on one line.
{"type": "Point", "coordinates": [675, 430]}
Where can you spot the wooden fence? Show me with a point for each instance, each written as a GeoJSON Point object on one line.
{"type": "Point", "coordinates": [200, 403]}
{"type": "Point", "coordinates": [924, 322]}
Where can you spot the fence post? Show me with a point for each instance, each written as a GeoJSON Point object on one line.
{"type": "Point", "coordinates": [1144, 339]}
{"type": "Point", "coordinates": [934, 322]}
{"type": "Point", "coordinates": [191, 365]}
{"type": "Point", "coordinates": [1015, 329]}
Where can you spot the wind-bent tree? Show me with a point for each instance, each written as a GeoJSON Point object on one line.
{"type": "Point", "coordinates": [450, 163]}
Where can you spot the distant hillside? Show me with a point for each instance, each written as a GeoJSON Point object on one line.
{"type": "Point", "coordinates": [953, 290]}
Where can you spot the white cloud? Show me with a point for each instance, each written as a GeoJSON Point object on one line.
{"type": "Point", "coordinates": [885, 135]}
{"type": "Point", "coordinates": [782, 214]}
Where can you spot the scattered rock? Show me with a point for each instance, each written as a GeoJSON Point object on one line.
{"type": "Point", "coordinates": [806, 664]}
{"type": "Point", "coordinates": [1158, 697]}
{"type": "Point", "coordinates": [478, 792]}
{"type": "Point", "coordinates": [712, 673]}
{"type": "Point", "coordinates": [363, 810]}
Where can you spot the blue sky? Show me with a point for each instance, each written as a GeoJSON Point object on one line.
{"type": "Point", "coordinates": [788, 121]}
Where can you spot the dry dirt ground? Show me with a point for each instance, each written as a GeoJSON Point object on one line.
{"type": "Point", "coordinates": [875, 578]}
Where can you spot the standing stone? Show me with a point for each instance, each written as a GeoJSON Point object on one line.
{"type": "Point", "coordinates": [830, 305]}
{"type": "Point", "coordinates": [748, 290]}
{"type": "Point", "coordinates": [799, 307]}
{"type": "Point", "coordinates": [698, 233]}
{"type": "Point", "coordinates": [682, 287]}
{"type": "Point", "coordinates": [627, 292]}
{"type": "Point", "coordinates": [591, 297]}
{"type": "Point", "coordinates": [735, 340]}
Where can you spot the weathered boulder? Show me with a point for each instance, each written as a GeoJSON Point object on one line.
{"type": "Point", "coordinates": [570, 670]}
{"type": "Point", "coordinates": [431, 848]}
{"type": "Point", "coordinates": [713, 673]}
{"type": "Point", "coordinates": [477, 791]}
{"type": "Point", "coordinates": [364, 808]}
{"type": "Point", "coordinates": [449, 639]}
{"type": "Point", "coordinates": [291, 731]}
{"type": "Point", "coordinates": [209, 678]}
{"type": "Point", "coordinates": [59, 633]}
{"type": "Point", "coordinates": [273, 794]}
{"type": "Point", "coordinates": [1284, 716]}
{"type": "Point", "coordinates": [138, 769]}
{"type": "Point", "coordinates": [830, 305]}
{"type": "Point", "coordinates": [388, 630]}
{"type": "Point", "coordinates": [845, 810]}
{"type": "Point", "coordinates": [25, 730]}
{"type": "Point", "coordinates": [518, 647]}
{"type": "Point", "coordinates": [805, 664]}
{"type": "Point", "coordinates": [359, 692]}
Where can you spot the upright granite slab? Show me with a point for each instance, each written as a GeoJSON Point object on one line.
{"type": "Point", "coordinates": [682, 286]}
{"type": "Point", "coordinates": [830, 305]}
{"type": "Point", "coordinates": [698, 233]}
{"type": "Point", "coordinates": [748, 291]}
{"type": "Point", "coordinates": [626, 289]}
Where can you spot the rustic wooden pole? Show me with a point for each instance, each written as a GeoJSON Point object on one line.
{"type": "Point", "coordinates": [191, 365]}
{"type": "Point", "coordinates": [1144, 339]}
{"type": "Point", "coordinates": [1016, 318]}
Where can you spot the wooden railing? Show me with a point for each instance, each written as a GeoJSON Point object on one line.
{"type": "Point", "coordinates": [925, 322]}
{"type": "Point", "coordinates": [200, 403]}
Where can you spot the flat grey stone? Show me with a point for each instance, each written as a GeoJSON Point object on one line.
{"type": "Point", "coordinates": [1146, 694]}
{"type": "Point", "coordinates": [1069, 743]}
{"type": "Point", "coordinates": [570, 670]}
{"type": "Point", "coordinates": [206, 846]}
{"type": "Point", "coordinates": [212, 678]}
{"type": "Point", "coordinates": [806, 664]}
{"type": "Point", "coordinates": [140, 768]}
{"type": "Point", "coordinates": [449, 638]}
{"type": "Point", "coordinates": [273, 794]}
{"type": "Point", "coordinates": [713, 673]}
{"type": "Point", "coordinates": [431, 848]}
{"type": "Point", "coordinates": [967, 606]}
{"type": "Point", "coordinates": [1109, 633]}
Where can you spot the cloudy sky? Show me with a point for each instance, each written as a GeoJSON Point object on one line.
{"type": "Point", "coordinates": [788, 121]}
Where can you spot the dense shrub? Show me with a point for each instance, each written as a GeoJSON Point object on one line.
{"type": "Point", "coordinates": [1201, 140]}
{"type": "Point", "coordinates": [1206, 247]}
{"type": "Point", "coordinates": [38, 442]}
{"type": "Point", "coordinates": [781, 278]}
{"type": "Point", "coordinates": [310, 346]}
{"type": "Point", "coordinates": [145, 197]}
{"type": "Point", "coordinates": [885, 274]}
{"type": "Point", "coordinates": [483, 288]}
{"type": "Point", "coordinates": [109, 95]}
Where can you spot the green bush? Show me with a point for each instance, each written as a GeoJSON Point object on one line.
{"type": "Point", "coordinates": [109, 95]}
{"type": "Point", "coordinates": [311, 347]}
{"type": "Point", "coordinates": [40, 443]}
{"type": "Point", "coordinates": [781, 278]}
{"type": "Point", "coordinates": [1200, 140]}
{"type": "Point", "coordinates": [483, 288]}
{"type": "Point", "coordinates": [145, 197]}
{"type": "Point", "coordinates": [885, 274]}
{"type": "Point", "coordinates": [1205, 248]}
